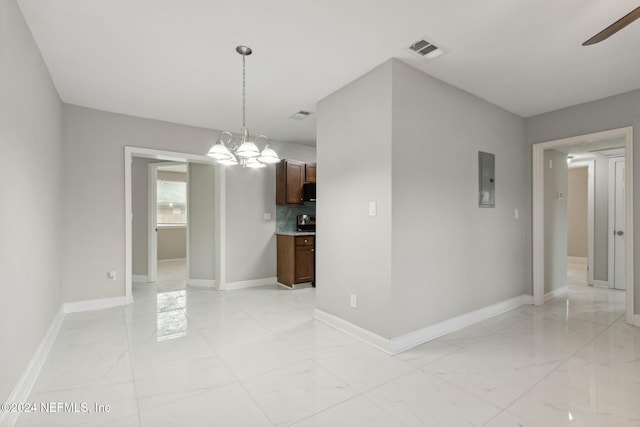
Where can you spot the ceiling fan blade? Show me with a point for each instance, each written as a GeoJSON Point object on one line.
{"type": "Point", "coordinates": [614, 28]}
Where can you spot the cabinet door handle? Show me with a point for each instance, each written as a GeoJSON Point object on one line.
{"type": "Point", "coordinates": [312, 250]}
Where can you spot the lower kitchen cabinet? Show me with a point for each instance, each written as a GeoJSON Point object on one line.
{"type": "Point", "coordinates": [296, 259]}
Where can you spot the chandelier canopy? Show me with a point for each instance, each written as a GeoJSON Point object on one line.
{"type": "Point", "coordinates": [227, 152]}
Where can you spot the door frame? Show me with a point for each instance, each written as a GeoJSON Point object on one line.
{"type": "Point", "coordinates": [538, 210]}
{"type": "Point", "coordinates": [611, 226]}
{"type": "Point", "coordinates": [171, 156]}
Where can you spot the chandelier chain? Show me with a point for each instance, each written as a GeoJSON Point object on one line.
{"type": "Point", "coordinates": [244, 93]}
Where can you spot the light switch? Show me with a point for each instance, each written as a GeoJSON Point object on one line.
{"type": "Point", "coordinates": [516, 213]}
{"type": "Point", "coordinates": [373, 209]}
{"type": "Point", "coordinates": [266, 216]}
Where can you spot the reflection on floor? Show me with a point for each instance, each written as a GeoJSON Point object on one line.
{"type": "Point", "coordinates": [198, 357]}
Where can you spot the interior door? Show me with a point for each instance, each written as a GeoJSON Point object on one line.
{"type": "Point", "coordinates": [619, 235]}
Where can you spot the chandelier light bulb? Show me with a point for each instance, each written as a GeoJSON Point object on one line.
{"type": "Point", "coordinates": [246, 153]}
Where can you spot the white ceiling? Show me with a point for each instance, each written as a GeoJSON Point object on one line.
{"type": "Point", "coordinates": [175, 60]}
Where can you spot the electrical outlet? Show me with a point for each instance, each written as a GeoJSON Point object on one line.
{"type": "Point", "coordinates": [266, 216]}
{"type": "Point", "coordinates": [111, 274]}
{"type": "Point", "coordinates": [354, 301]}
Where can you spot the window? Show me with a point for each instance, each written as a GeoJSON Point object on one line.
{"type": "Point", "coordinates": [172, 203]}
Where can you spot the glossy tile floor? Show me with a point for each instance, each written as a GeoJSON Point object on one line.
{"type": "Point", "coordinates": [256, 358]}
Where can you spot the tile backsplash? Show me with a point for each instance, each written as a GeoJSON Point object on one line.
{"type": "Point", "coordinates": [286, 216]}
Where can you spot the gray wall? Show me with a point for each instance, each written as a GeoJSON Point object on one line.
{"type": "Point", "coordinates": [201, 222]}
{"type": "Point", "coordinates": [140, 207]}
{"type": "Point", "coordinates": [431, 253]}
{"type": "Point", "coordinates": [577, 212]}
{"type": "Point", "coordinates": [30, 221]}
{"type": "Point", "coordinates": [94, 201]}
{"type": "Point", "coordinates": [451, 257]}
{"type": "Point", "coordinates": [172, 243]}
{"type": "Point", "coordinates": [609, 113]}
{"type": "Point", "coordinates": [555, 220]}
{"type": "Point", "coordinates": [353, 249]}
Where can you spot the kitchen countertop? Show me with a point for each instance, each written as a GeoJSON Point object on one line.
{"type": "Point", "coordinates": [296, 233]}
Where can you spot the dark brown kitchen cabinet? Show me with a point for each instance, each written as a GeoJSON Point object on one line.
{"type": "Point", "coordinates": [310, 172]}
{"type": "Point", "coordinates": [290, 176]}
{"type": "Point", "coordinates": [296, 259]}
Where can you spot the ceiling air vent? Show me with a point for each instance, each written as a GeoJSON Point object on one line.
{"type": "Point", "coordinates": [300, 115]}
{"type": "Point", "coordinates": [426, 49]}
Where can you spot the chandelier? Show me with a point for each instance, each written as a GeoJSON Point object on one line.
{"type": "Point", "coordinates": [246, 153]}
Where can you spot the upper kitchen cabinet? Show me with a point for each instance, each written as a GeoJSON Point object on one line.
{"type": "Point", "coordinates": [290, 176]}
{"type": "Point", "coordinates": [310, 172]}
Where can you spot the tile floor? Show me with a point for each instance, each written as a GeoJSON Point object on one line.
{"type": "Point", "coordinates": [256, 357]}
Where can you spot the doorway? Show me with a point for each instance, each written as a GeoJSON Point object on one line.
{"type": "Point", "coordinates": [216, 174]}
{"type": "Point", "coordinates": [168, 225]}
{"type": "Point", "coordinates": [540, 254]}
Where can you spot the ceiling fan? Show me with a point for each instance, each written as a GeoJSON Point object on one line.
{"type": "Point", "coordinates": [614, 28]}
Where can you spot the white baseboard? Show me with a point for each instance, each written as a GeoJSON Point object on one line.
{"type": "Point", "coordinates": [22, 390]}
{"type": "Point", "coordinates": [577, 260]}
{"type": "Point", "coordinates": [412, 339]}
{"type": "Point", "coordinates": [201, 283]}
{"type": "Point", "coordinates": [415, 338]}
{"type": "Point", "coordinates": [171, 260]}
{"type": "Point", "coordinates": [556, 292]}
{"type": "Point", "coordinates": [355, 331]}
{"type": "Point", "coordinates": [600, 283]}
{"type": "Point", "coordinates": [139, 278]}
{"type": "Point", "coordinates": [96, 304]}
{"type": "Point", "coordinates": [230, 286]}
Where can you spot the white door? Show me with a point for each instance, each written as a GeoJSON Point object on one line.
{"type": "Point", "coordinates": [619, 231]}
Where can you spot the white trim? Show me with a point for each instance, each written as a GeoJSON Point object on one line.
{"type": "Point", "coordinates": [355, 331]}
{"type": "Point", "coordinates": [152, 234]}
{"type": "Point", "coordinates": [556, 292]}
{"type": "Point", "coordinates": [95, 304]}
{"type": "Point", "coordinates": [129, 154]}
{"type": "Point", "coordinates": [140, 278]}
{"type": "Point", "coordinates": [412, 339]}
{"type": "Point", "coordinates": [160, 261]}
{"type": "Point", "coordinates": [538, 225]}
{"type": "Point", "coordinates": [201, 283]}
{"type": "Point", "coordinates": [600, 283]}
{"type": "Point", "coordinates": [295, 286]}
{"type": "Point", "coordinates": [635, 320]}
{"type": "Point", "coordinates": [415, 338]}
{"type": "Point", "coordinates": [610, 223]}
{"type": "Point", "coordinates": [172, 226]}
{"type": "Point", "coordinates": [242, 284]}
{"type": "Point", "coordinates": [538, 208]}
{"type": "Point", "coordinates": [611, 249]}
{"type": "Point", "coordinates": [23, 387]}
{"type": "Point", "coordinates": [629, 259]}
